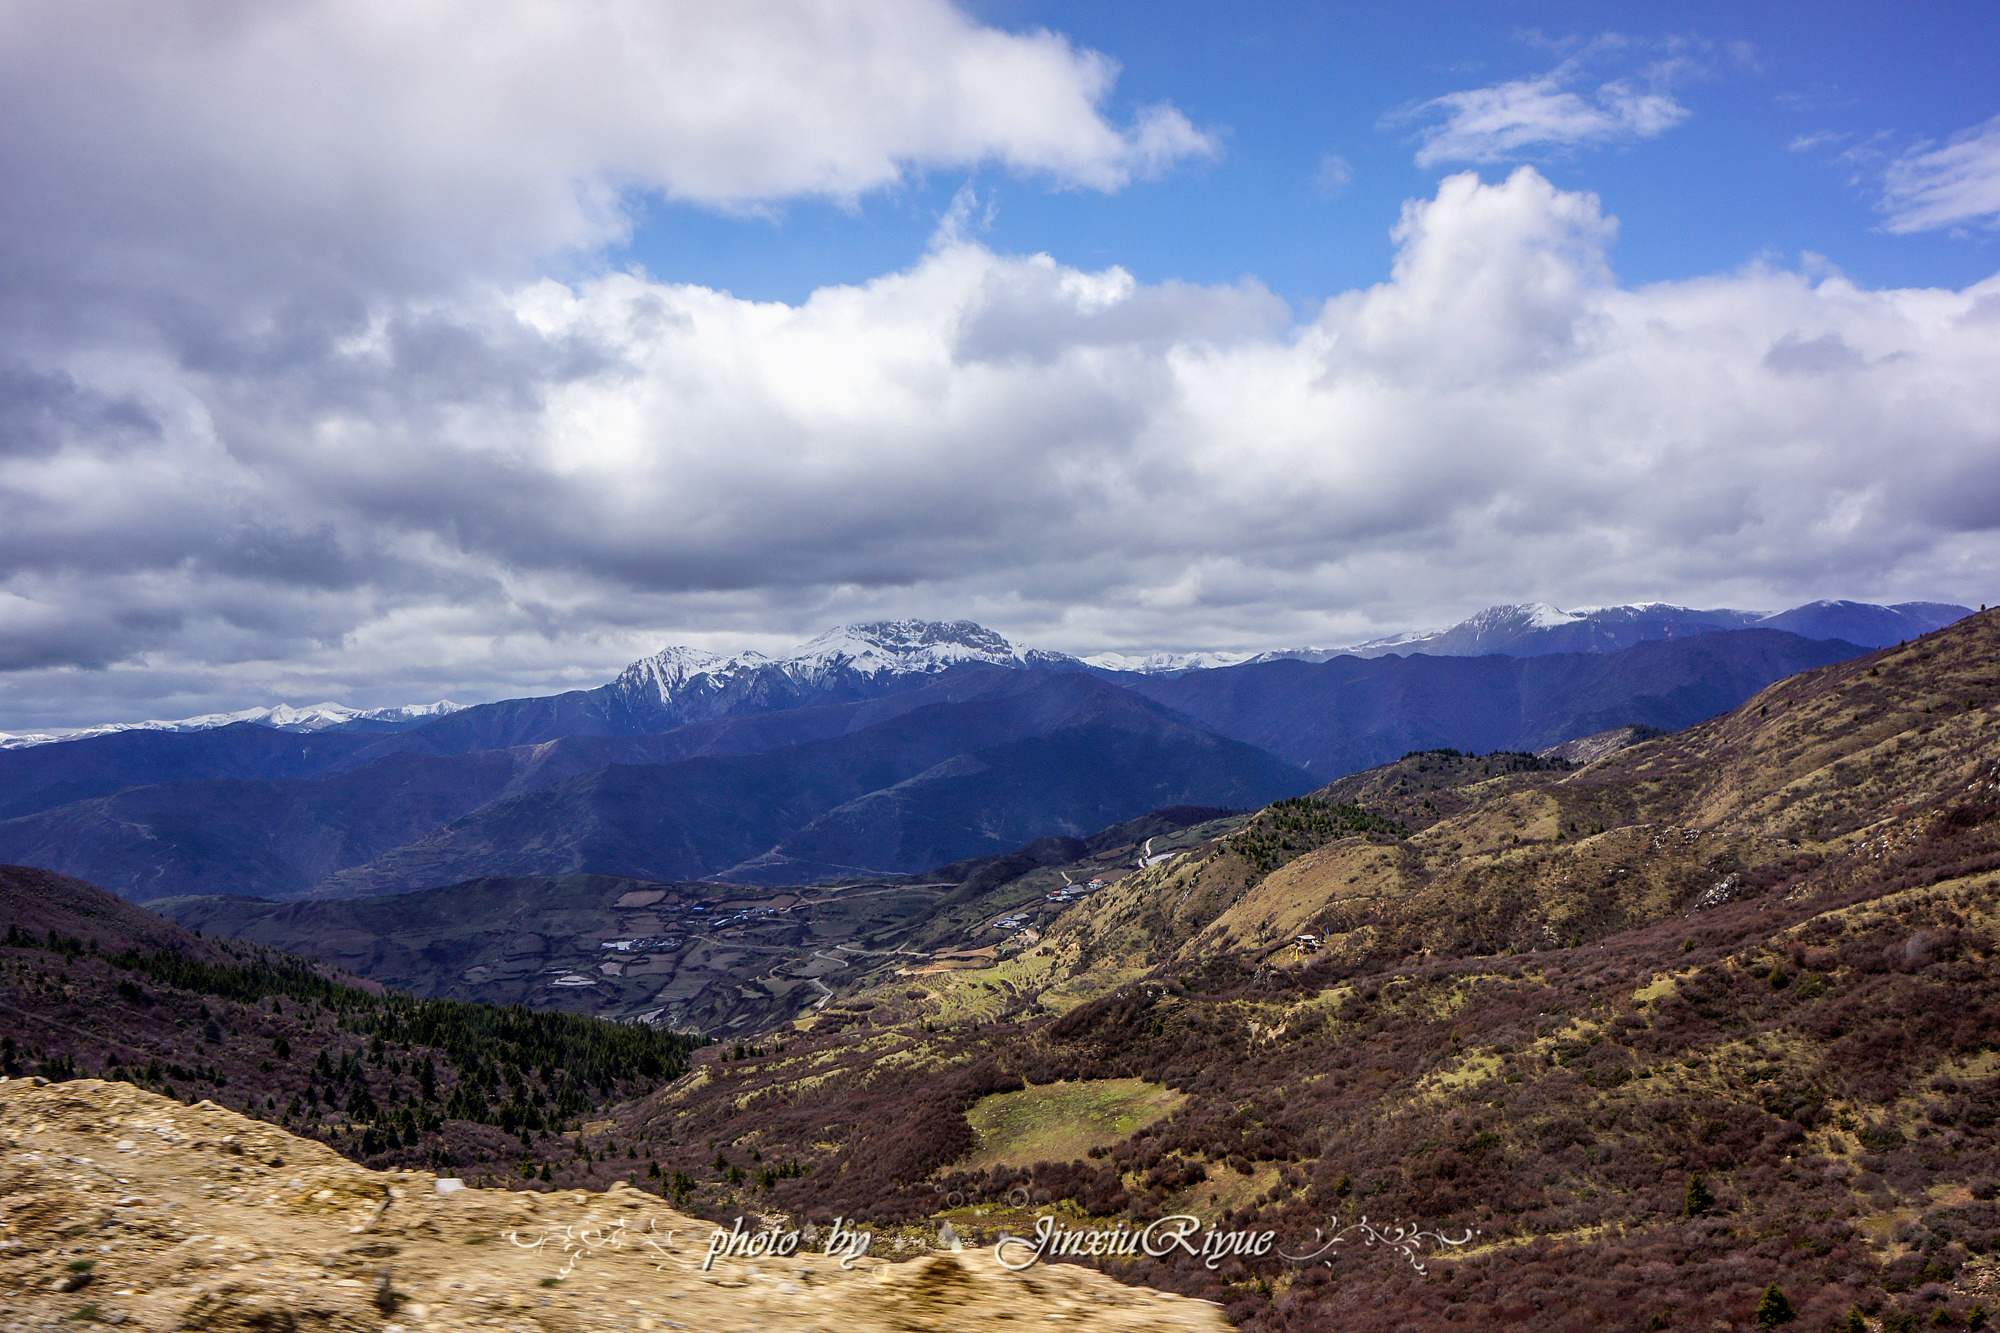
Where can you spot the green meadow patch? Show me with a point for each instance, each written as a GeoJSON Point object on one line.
{"type": "Point", "coordinates": [1060, 1122]}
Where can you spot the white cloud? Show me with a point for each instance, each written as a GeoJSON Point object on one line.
{"type": "Point", "coordinates": [1931, 187]}
{"type": "Point", "coordinates": [1506, 121]}
{"type": "Point", "coordinates": [505, 492]}
{"type": "Point", "coordinates": [331, 150]}
{"type": "Point", "coordinates": [1334, 175]}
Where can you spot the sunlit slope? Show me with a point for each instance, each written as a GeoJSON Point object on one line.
{"type": "Point", "coordinates": [1509, 852]}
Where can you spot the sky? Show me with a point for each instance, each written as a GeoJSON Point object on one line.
{"type": "Point", "coordinates": [387, 352]}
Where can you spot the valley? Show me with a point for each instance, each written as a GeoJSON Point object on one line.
{"type": "Point", "coordinates": [700, 957]}
{"type": "Point", "coordinates": [677, 956]}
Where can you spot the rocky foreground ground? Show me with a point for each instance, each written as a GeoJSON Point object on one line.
{"type": "Point", "coordinates": [122, 1208]}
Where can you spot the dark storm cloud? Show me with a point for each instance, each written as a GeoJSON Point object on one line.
{"type": "Point", "coordinates": [40, 412]}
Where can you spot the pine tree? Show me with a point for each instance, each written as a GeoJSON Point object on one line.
{"type": "Point", "coordinates": [1699, 1197]}
{"type": "Point", "coordinates": [1775, 1308]}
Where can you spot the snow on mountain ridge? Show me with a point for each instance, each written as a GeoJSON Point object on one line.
{"type": "Point", "coordinates": [1543, 616]}
{"type": "Point", "coordinates": [869, 648]}
{"type": "Point", "coordinates": [282, 717]}
{"type": "Point", "coordinates": [904, 645]}
{"type": "Point", "coordinates": [1506, 628]}
{"type": "Point", "coordinates": [1521, 616]}
{"type": "Point", "coordinates": [686, 681]}
{"type": "Point", "coordinates": [1153, 664]}
{"type": "Point", "coordinates": [673, 669]}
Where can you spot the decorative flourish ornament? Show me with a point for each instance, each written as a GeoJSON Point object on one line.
{"type": "Point", "coordinates": [1404, 1238]}
{"type": "Point", "coordinates": [577, 1239]}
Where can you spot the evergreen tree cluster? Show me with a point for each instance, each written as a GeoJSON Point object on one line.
{"type": "Point", "coordinates": [389, 1067]}
{"type": "Point", "coordinates": [591, 1052]}
{"type": "Point", "coordinates": [1302, 823]}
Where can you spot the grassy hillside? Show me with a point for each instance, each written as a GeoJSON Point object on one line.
{"type": "Point", "coordinates": [1705, 1028]}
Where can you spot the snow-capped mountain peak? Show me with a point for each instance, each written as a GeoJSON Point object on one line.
{"type": "Point", "coordinates": [669, 671]}
{"type": "Point", "coordinates": [673, 677]}
{"type": "Point", "coordinates": [1543, 616]}
{"type": "Point", "coordinates": [906, 645]}
{"type": "Point", "coordinates": [1524, 616]}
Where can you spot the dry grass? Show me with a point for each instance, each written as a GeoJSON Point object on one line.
{"type": "Point", "coordinates": [1059, 1122]}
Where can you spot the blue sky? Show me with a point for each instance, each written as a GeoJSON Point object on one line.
{"type": "Point", "coordinates": [380, 351]}
{"type": "Point", "coordinates": [1792, 113]}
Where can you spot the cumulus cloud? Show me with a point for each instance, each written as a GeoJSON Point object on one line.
{"type": "Point", "coordinates": [1935, 186]}
{"type": "Point", "coordinates": [330, 150]}
{"type": "Point", "coordinates": [504, 494]}
{"type": "Point", "coordinates": [1509, 120]}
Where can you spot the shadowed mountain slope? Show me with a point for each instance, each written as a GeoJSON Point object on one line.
{"type": "Point", "coordinates": [38, 902]}
{"type": "Point", "coordinates": [1020, 762]}
{"type": "Point", "coordinates": [988, 802]}
{"type": "Point", "coordinates": [1866, 624]}
{"type": "Point", "coordinates": [1351, 713]}
{"type": "Point", "coordinates": [42, 777]}
{"type": "Point", "coordinates": [261, 838]}
{"type": "Point", "coordinates": [681, 805]}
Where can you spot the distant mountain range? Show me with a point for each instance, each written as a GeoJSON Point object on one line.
{"type": "Point", "coordinates": [876, 749]}
{"type": "Point", "coordinates": [1533, 629]}
{"type": "Point", "coordinates": [975, 761]}
{"type": "Point", "coordinates": [1351, 713]}
{"type": "Point", "coordinates": [680, 685]}
{"type": "Point", "coordinates": [283, 717]}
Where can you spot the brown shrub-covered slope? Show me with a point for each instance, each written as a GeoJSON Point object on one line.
{"type": "Point", "coordinates": [1516, 852]}
{"type": "Point", "coordinates": [1712, 1016]}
